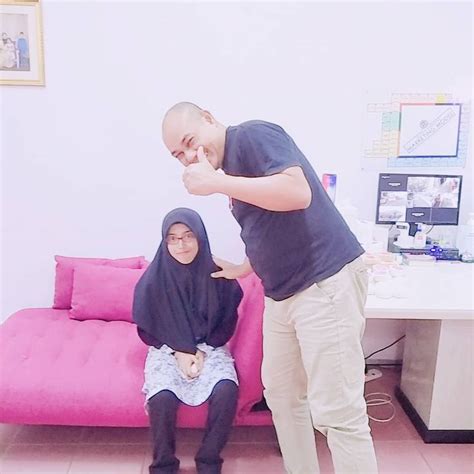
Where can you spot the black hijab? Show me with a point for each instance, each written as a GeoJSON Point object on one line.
{"type": "Point", "coordinates": [181, 305]}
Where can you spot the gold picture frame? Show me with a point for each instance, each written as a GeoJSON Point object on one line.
{"type": "Point", "coordinates": [21, 43]}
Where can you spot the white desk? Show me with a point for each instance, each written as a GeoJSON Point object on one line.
{"type": "Point", "coordinates": [437, 388]}
{"type": "Point", "coordinates": [442, 291]}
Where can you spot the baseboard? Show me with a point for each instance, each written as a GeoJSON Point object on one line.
{"type": "Point", "coordinates": [432, 436]}
{"type": "Point", "coordinates": [387, 362]}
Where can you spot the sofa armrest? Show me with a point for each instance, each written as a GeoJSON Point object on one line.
{"type": "Point", "coordinates": [246, 343]}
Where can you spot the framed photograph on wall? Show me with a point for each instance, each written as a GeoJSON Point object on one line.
{"type": "Point", "coordinates": [429, 130]}
{"type": "Point", "coordinates": [21, 43]}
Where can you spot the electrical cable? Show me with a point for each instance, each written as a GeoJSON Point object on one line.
{"type": "Point", "coordinates": [429, 230]}
{"type": "Point", "coordinates": [379, 398]}
{"type": "Point", "coordinates": [386, 347]}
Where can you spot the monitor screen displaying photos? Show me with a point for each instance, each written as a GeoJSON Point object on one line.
{"type": "Point", "coordinates": [427, 199]}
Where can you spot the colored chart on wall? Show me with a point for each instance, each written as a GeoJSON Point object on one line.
{"type": "Point", "coordinates": [417, 130]}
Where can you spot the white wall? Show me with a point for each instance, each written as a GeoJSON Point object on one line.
{"type": "Point", "coordinates": [84, 168]}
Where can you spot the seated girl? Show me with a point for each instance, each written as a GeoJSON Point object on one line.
{"type": "Point", "coordinates": [187, 317]}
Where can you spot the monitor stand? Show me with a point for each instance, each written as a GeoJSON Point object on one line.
{"type": "Point", "coordinates": [413, 228]}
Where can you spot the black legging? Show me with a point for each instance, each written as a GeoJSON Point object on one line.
{"type": "Point", "coordinates": [162, 409]}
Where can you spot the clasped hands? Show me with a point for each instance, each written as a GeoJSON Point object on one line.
{"type": "Point", "coordinates": [191, 365]}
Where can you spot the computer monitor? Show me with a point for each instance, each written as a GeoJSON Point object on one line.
{"type": "Point", "coordinates": [418, 198]}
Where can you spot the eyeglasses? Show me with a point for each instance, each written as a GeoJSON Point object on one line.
{"type": "Point", "coordinates": [187, 238]}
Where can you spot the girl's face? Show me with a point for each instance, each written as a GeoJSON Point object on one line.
{"type": "Point", "coordinates": [182, 243]}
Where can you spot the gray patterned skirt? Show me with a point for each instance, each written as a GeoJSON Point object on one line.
{"type": "Point", "coordinates": [162, 373]}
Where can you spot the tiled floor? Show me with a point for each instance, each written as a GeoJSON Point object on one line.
{"type": "Point", "coordinates": [251, 450]}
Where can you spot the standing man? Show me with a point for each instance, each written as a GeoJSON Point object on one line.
{"type": "Point", "coordinates": [314, 280]}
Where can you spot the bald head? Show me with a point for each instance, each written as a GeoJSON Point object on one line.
{"type": "Point", "coordinates": [182, 111]}
{"type": "Point", "coordinates": [184, 107]}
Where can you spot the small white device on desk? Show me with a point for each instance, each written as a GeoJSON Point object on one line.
{"type": "Point", "coordinates": [404, 240]}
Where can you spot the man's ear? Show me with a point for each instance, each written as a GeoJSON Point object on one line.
{"type": "Point", "coordinates": [208, 117]}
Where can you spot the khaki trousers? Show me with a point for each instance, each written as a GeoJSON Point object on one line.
{"type": "Point", "coordinates": [313, 373]}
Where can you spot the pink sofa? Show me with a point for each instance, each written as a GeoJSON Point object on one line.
{"type": "Point", "coordinates": [61, 371]}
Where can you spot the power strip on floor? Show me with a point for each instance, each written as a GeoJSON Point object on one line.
{"type": "Point", "coordinates": [372, 374]}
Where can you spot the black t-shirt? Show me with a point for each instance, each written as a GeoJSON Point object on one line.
{"type": "Point", "coordinates": [289, 250]}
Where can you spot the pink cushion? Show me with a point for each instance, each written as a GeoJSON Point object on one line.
{"type": "Point", "coordinates": [103, 292]}
{"type": "Point", "coordinates": [64, 274]}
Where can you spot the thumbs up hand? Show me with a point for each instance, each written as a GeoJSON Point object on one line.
{"type": "Point", "coordinates": [200, 177]}
{"type": "Point", "coordinates": [201, 156]}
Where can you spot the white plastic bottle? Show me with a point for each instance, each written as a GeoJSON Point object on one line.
{"type": "Point", "coordinates": [467, 248]}
{"type": "Point", "coordinates": [419, 241]}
